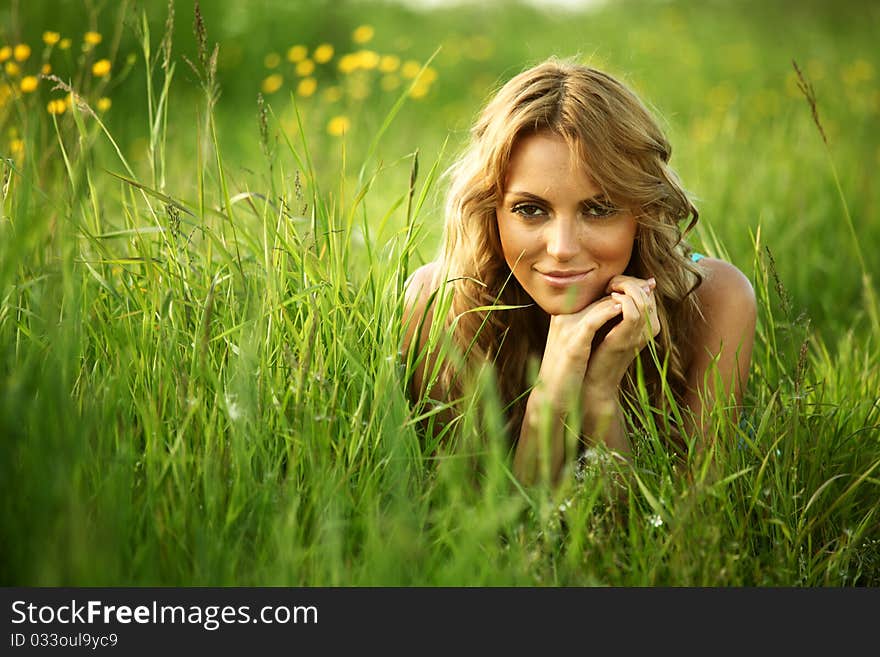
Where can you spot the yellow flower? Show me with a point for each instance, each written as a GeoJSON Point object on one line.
{"type": "Point", "coordinates": [419, 91]}
{"type": "Point", "coordinates": [92, 38]}
{"type": "Point", "coordinates": [57, 106]}
{"type": "Point", "coordinates": [272, 60]}
{"type": "Point", "coordinates": [332, 94]}
{"type": "Point", "coordinates": [46, 69]}
{"type": "Point", "coordinates": [338, 126]}
{"type": "Point", "coordinates": [348, 63]}
{"type": "Point", "coordinates": [390, 82]}
{"type": "Point", "coordinates": [12, 69]}
{"type": "Point", "coordinates": [5, 53]}
{"type": "Point", "coordinates": [64, 44]}
{"type": "Point", "coordinates": [305, 67]}
{"type": "Point", "coordinates": [297, 53]}
{"type": "Point", "coordinates": [104, 104]}
{"type": "Point", "coordinates": [389, 63]}
{"type": "Point", "coordinates": [101, 68]}
{"type": "Point", "coordinates": [411, 69]}
{"type": "Point", "coordinates": [51, 38]}
{"type": "Point", "coordinates": [272, 83]}
{"type": "Point", "coordinates": [21, 52]}
{"type": "Point", "coordinates": [16, 147]}
{"type": "Point", "coordinates": [367, 59]}
{"type": "Point", "coordinates": [363, 33]}
{"type": "Point", "coordinates": [323, 53]}
{"type": "Point", "coordinates": [427, 76]}
{"type": "Point", "coordinates": [28, 84]}
{"type": "Point", "coordinates": [306, 87]}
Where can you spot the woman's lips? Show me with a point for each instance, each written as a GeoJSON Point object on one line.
{"type": "Point", "coordinates": [563, 278]}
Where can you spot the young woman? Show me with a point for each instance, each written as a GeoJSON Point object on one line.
{"type": "Point", "coordinates": [564, 208]}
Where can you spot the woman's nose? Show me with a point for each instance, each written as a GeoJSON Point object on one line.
{"type": "Point", "coordinates": [562, 239]}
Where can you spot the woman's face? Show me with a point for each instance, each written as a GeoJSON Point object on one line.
{"type": "Point", "coordinates": [560, 237]}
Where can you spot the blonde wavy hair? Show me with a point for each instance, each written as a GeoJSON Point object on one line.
{"type": "Point", "coordinates": [612, 132]}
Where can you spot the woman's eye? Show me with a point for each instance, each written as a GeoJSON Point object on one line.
{"type": "Point", "coordinates": [527, 210]}
{"type": "Point", "coordinates": [599, 210]}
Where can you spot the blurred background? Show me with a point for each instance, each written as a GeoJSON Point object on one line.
{"type": "Point", "coordinates": [719, 74]}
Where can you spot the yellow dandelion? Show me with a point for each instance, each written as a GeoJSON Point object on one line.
{"type": "Point", "coordinates": [363, 33]}
{"type": "Point", "coordinates": [367, 59]}
{"type": "Point", "coordinates": [389, 63]}
{"type": "Point", "coordinates": [410, 68]}
{"type": "Point", "coordinates": [390, 82]}
{"type": "Point", "coordinates": [332, 94]}
{"type": "Point", "coordinates": [104, 104]}
{"type": "Point", "coordinates": [338, 126]}
{"type": "Point", "coordinates": [272, 60]}
{"type": "Point", "coordinates": [297, 54]}
{"type": "Point", "coordinates": [305, 67]}
{"type": "Point", "coordinates": [92, 38]}
{"type": "Point", "coordinates": [28, 84]}
{"type": "Point", "coordinates": [64, 44]}
{"type": "Point", "coordinates": [21, 52]}
{"type": "Point", "coordinates": [419, 91]}
{"type": "Point", "coordinates": [45, 69]}
{"type": "Point", "coordinates": [51, 38]}
{"type": "Point", "coordinates": [348, 63]}
{"type": "Point", "coordinates": [427, 76]}
{"type": "Point", "coordinates": [5, 53]}
{"type": "Point", "coordinates": [57, 106]}
{"type": "Point", "coordinates": [272, 83]}
{"type": "Point", "coordinates": [16, 148]}
{"type": "Point", "coordinates": [12, 69]}
{"type": "Point", "coordinates": [323, 53]}
{"type": "Point", "coordinates": [101, 68]}
{"type": "Point", "coordinates": [306, 87]}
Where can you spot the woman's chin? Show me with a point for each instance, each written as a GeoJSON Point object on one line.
{"type": "Point", "coordinates": [563, 306]}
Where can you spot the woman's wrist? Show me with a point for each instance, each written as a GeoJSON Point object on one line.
{"type": "Point", "coordinates": [599, 388]}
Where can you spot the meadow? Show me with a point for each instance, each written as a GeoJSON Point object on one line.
{"type": "Point", "coordinates": [209, 211]}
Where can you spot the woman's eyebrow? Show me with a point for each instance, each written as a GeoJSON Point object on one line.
{"type": "Point", "coordinates": [597, 198]}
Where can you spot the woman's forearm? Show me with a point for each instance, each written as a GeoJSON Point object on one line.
{"type": "Point", "coordinates": [603, 422]}
{"type": "Point", "coordinates": [540, 451]}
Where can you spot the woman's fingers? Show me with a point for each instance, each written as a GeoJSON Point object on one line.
{"type": "Point", "coordinates": [600, 312]}
{"type": "Point", "coordinates": [640, 320]}
{"type": "Point", "coordinates": [638, 290]}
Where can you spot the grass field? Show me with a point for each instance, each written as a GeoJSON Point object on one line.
{"type": "Point", "coordinates": [201, 268]}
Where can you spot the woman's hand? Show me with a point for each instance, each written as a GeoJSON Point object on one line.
{"type": "Point", "coordinates": [569, 343]}
{"type": "Point", "coordinates": [639, 324]}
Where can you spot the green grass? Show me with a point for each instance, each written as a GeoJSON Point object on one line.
{"type": "Point", "coordinates": [199, 373]}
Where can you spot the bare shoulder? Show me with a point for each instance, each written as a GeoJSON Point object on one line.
{"type": "Point", "coordinates": [727, 301]}
{"type": "Point", "coordinates": [726, 337]}
{"type": "Point", "coordinates": [421, 283]}
{"type": "Point", "coordinates": [725, 289]}
{"type": "Point", "coordinates": [417, 294]}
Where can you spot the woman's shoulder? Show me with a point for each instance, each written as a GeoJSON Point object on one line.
{"type": "Point", "coordinates": [724, 287]}
{"type": "Point", "coordinates": [727, 302]}
{"type": "Point", "coordinates": [421, 283]}
{"type": "Point", "coordinates": [418, 288]}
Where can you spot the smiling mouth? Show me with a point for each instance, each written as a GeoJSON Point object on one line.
{"type": "Point", "coordinates": [562, 278]}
